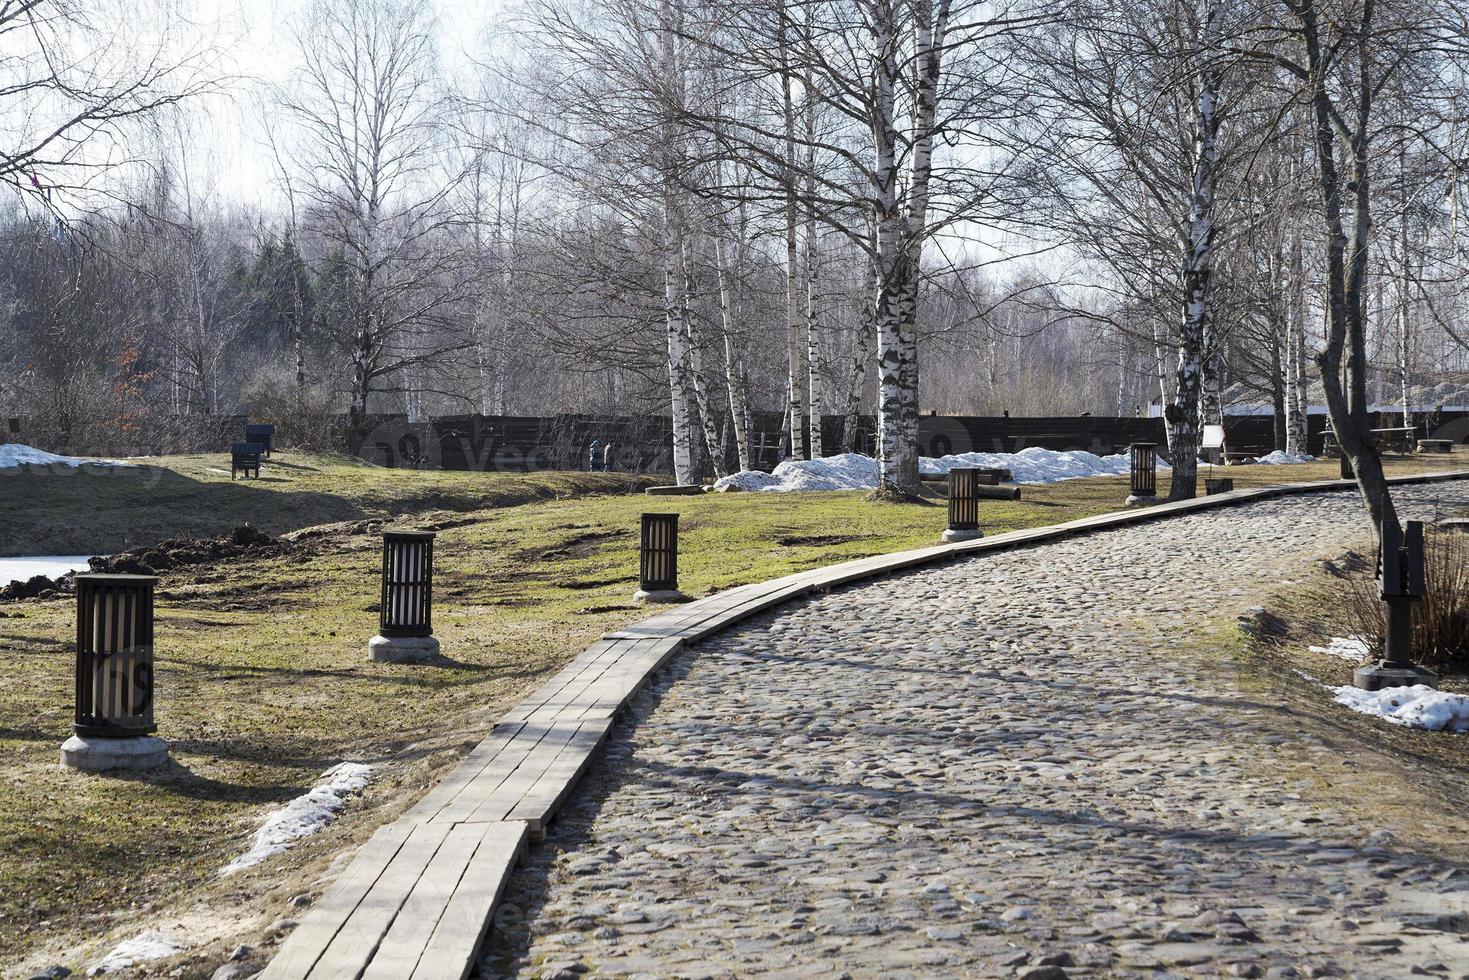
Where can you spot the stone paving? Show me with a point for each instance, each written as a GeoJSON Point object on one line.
{"type": "Point", "coordinates": [1019, 765]}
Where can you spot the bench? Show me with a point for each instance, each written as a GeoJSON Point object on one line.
{"type": "Point", "coordinates": [1398, 438]}
{"type": "Point", "coordinates": [261, 435]}
{"type": "Point", "coordinates": [1435, 445]}
{"type": "Point", "coordinates": [245, 459]}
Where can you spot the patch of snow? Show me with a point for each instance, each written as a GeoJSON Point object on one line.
{"type": "Point", "coordinates": [142, 948]}
{"type": "Point", "coordinates": [304, 815]}
{"type": "Point", "coordinates": [1419, 706]}
{"type": "Point", "coordinates": [51, 566]}
{"type": "Point", "coordinates": [14, 454]}
{"type": "Point", "coordinates": [746, 480]}
{"type": "Point", "coordinates": [1036, 465]}
{"type": "Point", "coordinates": [853, 471]}
{"type": "Point", "coordinates": [1352, 648]}
{"type": "Point", "coordinates": [1282, 458]}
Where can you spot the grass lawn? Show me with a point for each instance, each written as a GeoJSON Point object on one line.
{"type": "Point", "coordinates": [264, 682]}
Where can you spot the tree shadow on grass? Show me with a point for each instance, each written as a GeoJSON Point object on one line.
{"type": "Point", "coordinates": [108, 511]}
{"type": "Point", "coordinates": [245, 671]}
{"type": "Point", "coordinates": [178, 779]}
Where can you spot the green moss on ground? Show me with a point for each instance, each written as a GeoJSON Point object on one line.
{"type": "Point", "coordinates": [263, 679]}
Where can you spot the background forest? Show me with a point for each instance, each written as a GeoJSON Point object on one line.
{"type": "Point", "coordinates": [708, 209]}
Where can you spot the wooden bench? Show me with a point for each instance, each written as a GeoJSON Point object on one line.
{"type": "Point", "coordinates": [1435, 445]}
{"type": "Point", "coordinates": [1397, 438]}
{"type": "Point", "coordinates": [245, 459]}
{"type": "Point", "coordinates": [263, 436]}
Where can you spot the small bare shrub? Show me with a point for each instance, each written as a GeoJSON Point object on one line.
{"type": "Point", "coordinates": [1440, 620]}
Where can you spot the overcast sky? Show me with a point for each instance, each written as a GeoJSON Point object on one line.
{"type": "Point", "coordinates": [255, 43]}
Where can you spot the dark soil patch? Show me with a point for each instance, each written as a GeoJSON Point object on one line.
{"type": "Point", "coordinates": [595, 583]}
{"type": "Point", "coordinates": [580, 546]}
{"type": "Point", "coordinates": [798, 540]}
{"type": "Point", "coordinates": [165, 556]}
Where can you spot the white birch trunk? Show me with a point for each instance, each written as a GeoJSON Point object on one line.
{"type": "Point", "coordinates": [1297, 399]}
{"type": "Point", "coordinates": [1197, 269]}
{"type": "Point", "coordinates": [674, 297]}
{"type": "Point", "coordinates": [1211, 401]}
{"type": "Point", "coordinates": [866, 327]}
{"type": "Point", "coordinates": [710, 430]}
{"type": "Point", "coordinates": [1405, 333]}
{"type": "Point", "coordinates": [737, 410]}
{"type": "Point", "coordinates": [683, 464]}
{"type": "Point", "coordinates": [813, 284]}
{"type": "Point", "coordinates": [795, 343]}
{"type": "Point", "coordinates": [896, 455]}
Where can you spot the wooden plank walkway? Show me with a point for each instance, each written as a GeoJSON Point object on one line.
{"type": "Point", "coordinates": [416, 900]}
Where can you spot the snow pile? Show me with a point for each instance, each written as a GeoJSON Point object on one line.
{"type": "Point", "coordinates": [852, 471]}
{"type": "Point", "coordinates": [1352, 648]}
{"type": "Point", "coordinates": [13, 454]}
{"type": "Point", "coordinates": [142, 948]}
{"type": "Point", "coordinates": [747, 480]}
{"type": "Point", "coordinates": [304, 815]}
{"type": "Point", "coordinates": [848, 471]}
{"type": "Point", "coordinates": [1036, 465]}
{"type": "Point", "coordinates": [1280, 458]}
{"type": "Point", "coordinates": [1419, 706]}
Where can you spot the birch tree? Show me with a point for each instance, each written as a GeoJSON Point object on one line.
{"type": "Point", "coordinates": [1344, 57]}
{"type": "Point", "coordinates": [365, 106]}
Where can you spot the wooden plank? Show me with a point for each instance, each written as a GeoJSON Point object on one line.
{"type": "Point", "coordinates": [494, 803]}
{"type": "Point", "coordinates": [544, 797]}
{"type": "Point", "coordinates": [489, 779]}
{"type": "Point", "coordinates": [479, 758]}
{"type": "Point", "coordinates": [454, 944]}
{"type": "Point", "coordinates": [401, 948]}
{"type": "Point", "coordinates": [590, 660]}
{"type": "Point", "coordinates": [619, 684]}
{"type": "Point", "coordinates": [320, 926]}
{"type": "Point", "coordinates": [354, 944]}
{"type": "Point", "coordinates": [576, 693]}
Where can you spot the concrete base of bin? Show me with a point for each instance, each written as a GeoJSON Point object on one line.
{"type": "Point", "coordinates": [658, 596]}
{"type": "Point", "coordinates": [402, 649]}
{"type": "Point", "coordinates": [94, 753]}
{"type": "Point", "coordinates": [1376, 677]}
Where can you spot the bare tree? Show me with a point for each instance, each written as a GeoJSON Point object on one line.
{"type": "Point", "coordinates": [365, 106]}
{"type": "Point", "coordinates": [75, 78]}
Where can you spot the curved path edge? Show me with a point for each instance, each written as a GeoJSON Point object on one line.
{"type": "Point", "coordinates": [418, 897]}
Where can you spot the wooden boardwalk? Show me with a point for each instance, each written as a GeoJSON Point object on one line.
{"type": "Point", "coordinates": [418, 897]}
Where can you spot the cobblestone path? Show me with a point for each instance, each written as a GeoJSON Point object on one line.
{"type": "Point", "coordinates": [1025, 764]}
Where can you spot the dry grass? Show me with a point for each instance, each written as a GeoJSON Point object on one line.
{"type": "Point", "coordinates": [1352, 606]}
